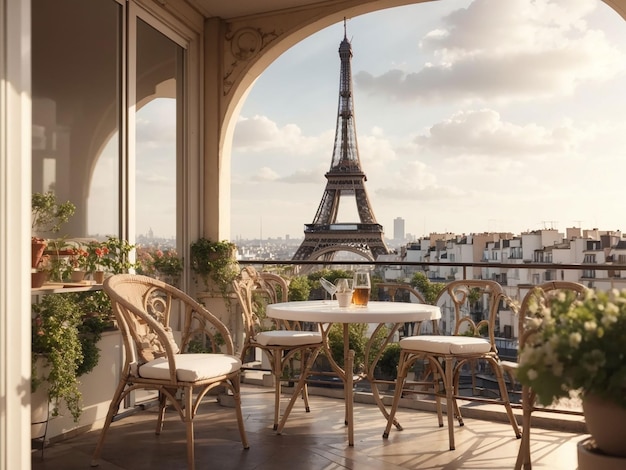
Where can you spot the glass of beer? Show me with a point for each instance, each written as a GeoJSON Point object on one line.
{"type": "Point", "coordinates": [361, 288]}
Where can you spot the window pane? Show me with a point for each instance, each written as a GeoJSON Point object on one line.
{"type": "Point", "coordinates": [158, 124]}
{"type": "Point", "coordinates": [76, 109]}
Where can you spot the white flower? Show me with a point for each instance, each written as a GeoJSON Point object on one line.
{"type": "Point", "coordinates": [590, 326]}
{"type": "Point", "coordinates": [574, 339]}
{"type": "Point", "coordinates": [608, 319]}
{"type": "Point", "coordinates": [532, 374]}
{"type": "Point", "coordinates": [612, 309]}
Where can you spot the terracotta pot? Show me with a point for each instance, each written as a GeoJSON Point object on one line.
{"type": "Point", "coordinates": [78, 276]}
{"type": "Point", "coordinates": [38, 245]}
{"type": "Point", "coordinates": [37, 279]}
{"type": "Point", "coordinates": [98, 276]}
{"type": "Point", "coordinates": [606, 422]}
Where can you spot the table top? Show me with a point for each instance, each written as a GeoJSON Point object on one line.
{"type": "Point", "coordinates": [328, 311]}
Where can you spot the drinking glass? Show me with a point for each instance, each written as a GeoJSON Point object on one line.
{"type": "Point", "coordinates": [361, 287]}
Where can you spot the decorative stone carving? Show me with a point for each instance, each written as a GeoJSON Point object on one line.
{"type": "Point", "coordinates": [246, 43]}
{"type": "Point", "coordinates": [241, 46]}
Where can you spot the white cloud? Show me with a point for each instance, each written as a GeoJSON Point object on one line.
{"type": "Point", "coordinates": [260, 134]}
{"type": "Point", "coordinates": [502, 51]}
{"type": "Point", "coordinates": [483, 132]}
{"type": "Point", "coordinates": [265, 174]}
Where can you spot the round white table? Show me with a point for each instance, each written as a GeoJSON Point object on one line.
{"type": "Point", "coordinates": [328, 312]}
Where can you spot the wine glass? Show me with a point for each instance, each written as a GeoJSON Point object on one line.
{"type": "Point", "coordinates": [328, 287]}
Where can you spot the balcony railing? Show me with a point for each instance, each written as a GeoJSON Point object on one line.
{"type": "Point", "coordinates": [516, 284]}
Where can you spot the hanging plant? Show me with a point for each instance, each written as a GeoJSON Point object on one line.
{"type": "Point", "coordinates": [65, 336]}
{"type": "Point", "coordinates": [214, 263]}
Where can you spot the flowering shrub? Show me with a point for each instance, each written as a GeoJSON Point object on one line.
{"type": "Point", "coordinates": [89, 257]}
{"type": "Point", "coordinates": [578, 346]}
{"type": "Point", "coordinates": [78, 258]}
{"type": "Point", "coordinates": [155, 262]}
{"type": "Point", "coordinates": [167, 262]}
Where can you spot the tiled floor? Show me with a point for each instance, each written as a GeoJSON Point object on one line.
{"type": "Point", "coordinates": [310, 441]}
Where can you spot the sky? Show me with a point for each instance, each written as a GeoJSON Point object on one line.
{"type": "Point", "coordinates": [471, 116]}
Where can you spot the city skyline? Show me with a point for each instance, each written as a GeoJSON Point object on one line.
{"type": "Point", "coordinates": [466, 121]}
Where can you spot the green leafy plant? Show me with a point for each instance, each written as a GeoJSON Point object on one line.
{"type": "Point", "coordinates": [152, 261]}
{"type": "Point", "coordinates": [117, 258]}
{"type": "Point", "coordinates": [47, 214]}
{"type": "Point", "coordinates": [299, 288]}
{"type": "Point", "coordinates": [388, 362]}
{"type": "Point", "coordinates": [358, 337]}
{"type": "Point", "coordinates": [429, 290]}
{"type": "Point", "coordinates": [214, 263]}
{"type": "Point", "coordinates": [57, 266]}
{"type": "Point", "coordinates": [92, 255]}
{"type": "Point", "coordinates": [578, 346]}
{"type": "Point", "coordinates": [65, 336]}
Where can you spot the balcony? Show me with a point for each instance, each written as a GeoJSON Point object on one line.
{"type": "Point", "coordinates": [318, 440]}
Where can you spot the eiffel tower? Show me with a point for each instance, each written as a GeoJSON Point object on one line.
{"type": "Point", "coordinates": [325, 236]}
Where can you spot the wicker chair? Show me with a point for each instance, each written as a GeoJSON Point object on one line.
{"type": "Point", "coordinates": [284, 341]}
{"type": "Point", "coordinates": [447, 355]}
{"type": "Point", "coordinates": [149, 314]}
{"type": "Point", "coordinates": [542, 293]}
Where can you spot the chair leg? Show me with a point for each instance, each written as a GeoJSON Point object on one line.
{"type": "Point", "coordinates": [277, 371]}
{"type": "Point", "coordinates": [400, 381]}
{"type": "Point", "coordinates": [113, 409]}
{"type": "Point", "coordinates": [236, 387]}
{"type": "Point", "coordinates": [305, 397]}
{"type": "Point", "coordinates": [189, 425]}
{"type": "Point", "coordinates": [450, 400]}
{"type": "Point", "coordinates": [299, 388]}
{"type": "Point", "coordinates": [504, 396]}
{"type": "Point", "coordinates": [304, 356]}
{"type": "Point", "coordinates": [437, 376]}
{"type": "Point", "coordinates": [161, 415]}
{"type": "Point", "coordinates": [523, 455]}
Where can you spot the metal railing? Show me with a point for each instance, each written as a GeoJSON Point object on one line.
{"type": "Point", "coordinates": [466, 270]}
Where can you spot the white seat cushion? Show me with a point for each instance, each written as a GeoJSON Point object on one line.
{"type": "Point", "coordinates": [446, 344]}
{"type": "Point", "coordinates": [288, 338]}
{"type": "Point", "coordinates": [191, 367]}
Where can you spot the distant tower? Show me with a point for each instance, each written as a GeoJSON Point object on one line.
{"type": "Point", "coordinates": [398, 228]}
{"type": "Point", "coordinates": [325, 237]}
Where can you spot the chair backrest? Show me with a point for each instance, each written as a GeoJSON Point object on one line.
{"type": "Point", "coordinates": [255, 290]}
{"type": "Point", "coordinates": [151, 314]}
{"type": "Point", "coordinates": [539, 297]}
{"type": "Point", "coordinates": [475, 304]}
{"type": "Point", "coordinates": [397, 292]}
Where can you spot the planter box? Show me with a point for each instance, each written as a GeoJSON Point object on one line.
{"type": "Point", "coordinates": [97, 389]}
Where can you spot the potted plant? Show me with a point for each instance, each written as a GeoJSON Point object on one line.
{"type": "Point", "coordinates": [89, 258]}
{"type": "Point", "coordinates": [115, 255]}
{"type": "Point", "coordinates": [579, 347]}
{"type": "Point", "coordinates": [65, 334]}
{"type": "Point", "coordinates": [215, 264]}
{"type": "Point", "coordinates": [164, 264]}
{"type": "Point", "coordinates": [47, 216]}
